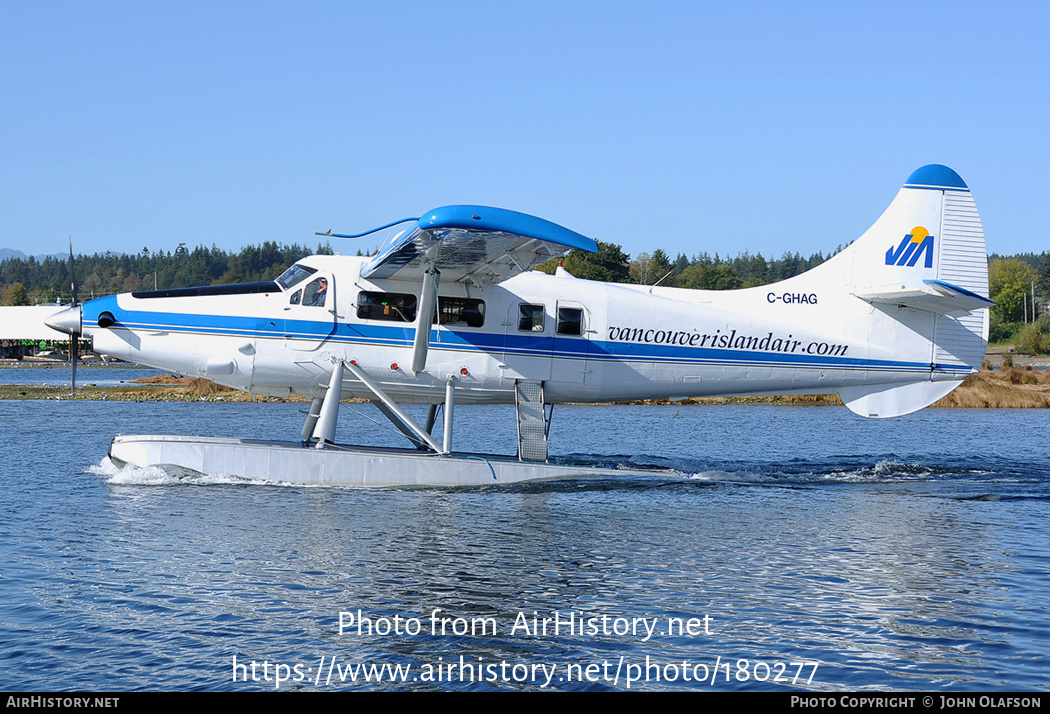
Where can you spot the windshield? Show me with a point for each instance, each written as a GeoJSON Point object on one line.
{"type": "Point", "coordinates": [388, 236]}
{"type": "Point", "coordinates": [294, 275]}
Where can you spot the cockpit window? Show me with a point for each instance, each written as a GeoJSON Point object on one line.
{"type": "Point", "coordinates": [295, 275]}
{"type": "Point", "coordinates": [316, 293]}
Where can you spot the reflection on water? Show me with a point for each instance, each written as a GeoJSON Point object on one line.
{"type": "Point", "coordinates": [894, 554]}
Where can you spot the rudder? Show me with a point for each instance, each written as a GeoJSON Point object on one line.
{"type": "Point", "coordinates": [923, 264]}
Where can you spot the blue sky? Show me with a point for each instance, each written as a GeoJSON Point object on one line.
{"type": "Point", "coordinates": [691, 126]}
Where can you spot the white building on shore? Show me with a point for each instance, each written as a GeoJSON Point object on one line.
{"type": "Point", "coordinates": [23, 332]}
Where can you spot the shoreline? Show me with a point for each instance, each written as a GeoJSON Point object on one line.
{"type": "Point", "coordinates": [1004, 388]}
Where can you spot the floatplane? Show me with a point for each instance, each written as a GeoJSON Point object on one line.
{"type": "Point", "coordinates": [450, 311]}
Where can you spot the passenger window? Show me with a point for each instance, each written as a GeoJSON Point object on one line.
{"type": "Point", "coordinates": [467, 312]}
{"type": "Point", "coordinates": [393, 307]}
{"type": "Point", "coordinates": [316, 293]}
{"type": "Point", "coordinates": [295, 298]}
{"type": "Point", "coordinates": [570, 321]}
{"type": "Point", "coordinates": [530, 318]}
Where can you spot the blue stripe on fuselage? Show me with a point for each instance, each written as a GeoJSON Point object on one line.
{"type": "Point", "coordinates": [469, 341]}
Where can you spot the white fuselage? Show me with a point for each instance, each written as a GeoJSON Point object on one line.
{"type": "Point", "coordinates": [892, 323]}
{"type": "Point", "coordinates": [586, 341]}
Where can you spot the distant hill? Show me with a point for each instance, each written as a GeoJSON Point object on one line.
{"type": "Point", "coordinates": [6, 253]}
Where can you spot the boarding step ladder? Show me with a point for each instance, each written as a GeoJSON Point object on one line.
{"type": "Point", "coordinates": [532, 421]}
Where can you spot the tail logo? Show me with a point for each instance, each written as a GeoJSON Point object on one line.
{"type": "Point", "coordinates": [912, 246]}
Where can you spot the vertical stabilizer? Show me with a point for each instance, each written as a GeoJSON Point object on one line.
{"type": "Point", "coordinates": [923, 267]}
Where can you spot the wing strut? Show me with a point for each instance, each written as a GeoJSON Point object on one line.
{"type": "Point", "coordinates": [450, 402]}
{"type": "Point", "coordinates": [425, 315]}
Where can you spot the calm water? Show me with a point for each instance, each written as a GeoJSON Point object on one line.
{"type": "Point", "coordinates": [107, 376]}
{"type": "Point", "coordinates": [898, 554]}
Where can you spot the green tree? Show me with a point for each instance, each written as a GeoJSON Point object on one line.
{"type": "Point", "coordinates": [661, 265]}
{"type": "Point", "coordinates": [15, 294]}
{"type": "Point", "coordinates": [1034, 338]}
{"type": "Point", "coordinates": [1042, 278]}
{"type": "Point", "coordinates": [680, 264]}
{"type": "Point", "coordinates": [641, 269]}
{"type": "Point", "coordinates": [703, 276]}
{"type": "Point", "coordinates": [608, 265]}
{"type": "Point", "coordinates": [1009, 282]}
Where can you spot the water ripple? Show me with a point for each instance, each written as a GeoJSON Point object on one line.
{"type": "Point", "coordinates": [921, 566]}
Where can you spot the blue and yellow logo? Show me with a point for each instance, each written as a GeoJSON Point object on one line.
{"type": "Point", "coordinates": [912, 246]}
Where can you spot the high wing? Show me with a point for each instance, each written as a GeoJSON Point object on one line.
{"type": "Point", "coordinates": [477, 244]}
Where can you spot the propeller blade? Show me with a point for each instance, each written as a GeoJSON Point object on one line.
{"type": "Point", "coordinates": [72, 273]}
{"type": "Point", "coordinates": [74, 353]}
{"type": "Point", "coordinates": [74, 337]}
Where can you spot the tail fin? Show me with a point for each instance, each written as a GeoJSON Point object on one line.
{"type": "Point", "coordinates": [923, 269]}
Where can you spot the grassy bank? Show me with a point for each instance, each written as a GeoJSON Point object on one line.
{"type": "Point", "coordinates": [165, 388]}
{"type": "Point", "coordinates": [1007, 388]}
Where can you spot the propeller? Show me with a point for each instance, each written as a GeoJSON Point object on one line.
{"type": "Point", "coordinates": [74, 336]}
{"type": "Point", "coordinates": [69, 321]}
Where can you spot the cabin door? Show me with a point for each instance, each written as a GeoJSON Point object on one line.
{"type": "Point", "coordinates": [529, 341]}
{"type": "Point", "coordinates": [571, 344]}
{"type": "Point", "coordinates": [311, 315]}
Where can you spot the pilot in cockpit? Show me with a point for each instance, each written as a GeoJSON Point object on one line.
{"type": "Point", "coordinates": [321, 292]}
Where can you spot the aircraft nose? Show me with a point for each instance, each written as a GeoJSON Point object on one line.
{"type": "Point", "coordinates": [66, 321]}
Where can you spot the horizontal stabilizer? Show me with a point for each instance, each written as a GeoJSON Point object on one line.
{"type": "Point", "coordinates": [890, 400]}
{"type": "Point", "coordinates": [934, 296]}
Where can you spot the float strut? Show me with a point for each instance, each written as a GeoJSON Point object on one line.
{"type": "Point", "coordinates": [450, 401]}
{"type": "Point", "coordinates": [401, 426]}
{"type": "Point", "coordinates": [325, 429]}
{"type": "Point", "coordinates": [431, 418]}
{"type": "Point", "coordinates": [392, 407]}
{"type": "Point", "coordinates": [311, 420]}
